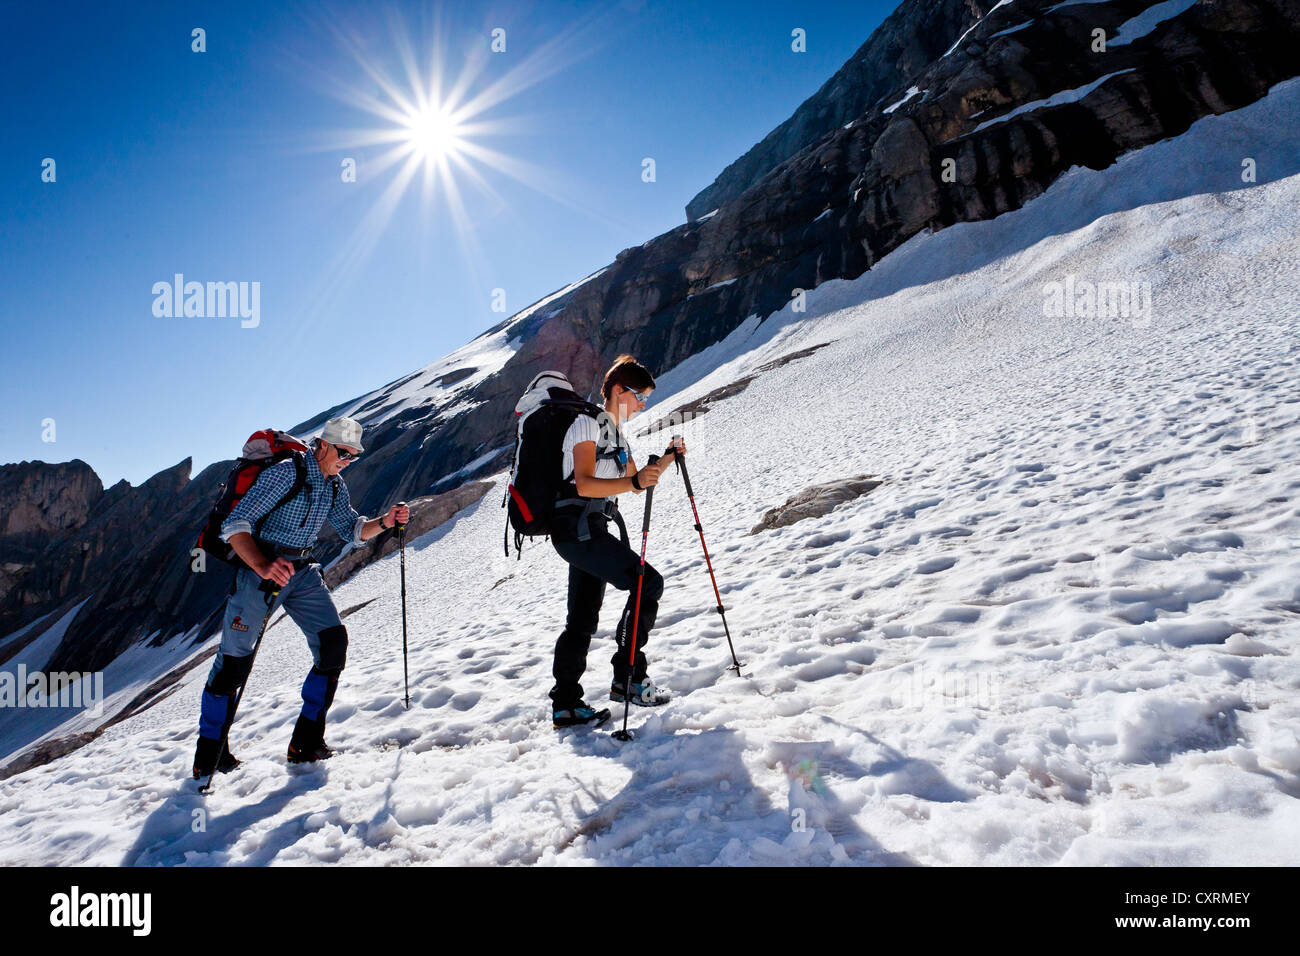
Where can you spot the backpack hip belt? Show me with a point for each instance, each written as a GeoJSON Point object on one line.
{"type": "Point", "coordinates": [594, 507]}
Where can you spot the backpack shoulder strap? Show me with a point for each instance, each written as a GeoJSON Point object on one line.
{"type": "Point", "coordinates": [299, 482]}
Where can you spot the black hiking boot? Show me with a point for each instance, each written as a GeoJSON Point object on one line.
{"type": "Point", "coordinates": [206, 762]}
{"type": "Point", "coordinates": [307, 745]}
{"type": "Point", "coordinates": [578, 715]}
{"type": "Point", "coordinates": [321, 751]}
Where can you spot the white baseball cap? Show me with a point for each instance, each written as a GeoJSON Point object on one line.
{"type": "Point", "coordinates": [343, 431]}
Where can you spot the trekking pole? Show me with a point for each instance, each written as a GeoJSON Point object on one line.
{"type": "Point", "coordinates": [735, 664]}
{"type": "Point", "coordinates": [271, 595]}
{"type": "Point", "coordinates": [625, 734]}
{"type": "Point", "coordinates": [401, 547]}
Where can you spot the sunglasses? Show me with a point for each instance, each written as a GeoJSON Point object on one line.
{"type": "Point", "coordinates": [344, 455]}
{"type": "Point", "coordinates": [639, 396]}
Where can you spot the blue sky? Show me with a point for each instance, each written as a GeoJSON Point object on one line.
{"type": "Point", "coordinates": [225, 166]}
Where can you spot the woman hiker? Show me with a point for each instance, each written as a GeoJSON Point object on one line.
{"type": "Point", "coordinates": [596, 466]}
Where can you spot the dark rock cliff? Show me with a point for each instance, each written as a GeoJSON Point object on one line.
{"type": "Point", "coordinates": [915, 34]}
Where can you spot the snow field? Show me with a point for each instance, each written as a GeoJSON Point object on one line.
{"type": "Point", "coordinates": [1063, 631]}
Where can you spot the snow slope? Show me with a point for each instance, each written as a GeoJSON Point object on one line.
{"type": "Point", "coordinates": [1063, 631]}
{"type": "Point", "coordinates": [23, 724]}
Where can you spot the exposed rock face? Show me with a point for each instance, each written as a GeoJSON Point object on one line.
{"type": "Point", "coordinates": [814, 201]}
{"type": "Point", "coordinates": [39, 502]}
{"type": "Point", "coordinates": [815, 501]}
{"type": "Point", "coordinates": [59, 524]}
{"type": "Point", "coordinates": [918, 32]}
{"type": "Point", "coordinates": [130, 558]}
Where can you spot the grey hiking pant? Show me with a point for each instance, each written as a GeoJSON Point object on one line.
{"type": "Point", "coordinates": [307, 601]}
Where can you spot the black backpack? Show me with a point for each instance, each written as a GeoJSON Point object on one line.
{"type": "Point", "coordinates": [547, 409]}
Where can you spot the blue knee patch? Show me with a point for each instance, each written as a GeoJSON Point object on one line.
{"type": "Point", "coordinates": [333, 648]}
{"type": "Point", "coordinates": [318, 693]}
{"type": "Point", "coordinates": [213, 712]}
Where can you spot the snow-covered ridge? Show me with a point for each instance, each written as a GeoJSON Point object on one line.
{"type": "Point", "coordinates": [464, 368]}
{"type": "Point", "coordinates": [1132, 29]}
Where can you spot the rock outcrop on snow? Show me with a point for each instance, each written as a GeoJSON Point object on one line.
{"type": "Point", "coordinates": [815, 501]}
{"type": "Point", "coordinates": [953, 111]}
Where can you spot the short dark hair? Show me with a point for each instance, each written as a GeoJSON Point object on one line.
{"type": "Point", "coordinates": [629, 373]}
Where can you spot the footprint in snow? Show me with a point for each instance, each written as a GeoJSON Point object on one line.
{"type": "Point", "coordinates": [437, 698]}
{"type": "Point", "coordinates": [934, 565]}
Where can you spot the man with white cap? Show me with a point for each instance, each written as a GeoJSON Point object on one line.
{"type": "Point", "coordinates": [273, 531]}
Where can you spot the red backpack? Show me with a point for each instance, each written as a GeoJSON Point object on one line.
{"type": "Point", "coordinates": [262, 450]}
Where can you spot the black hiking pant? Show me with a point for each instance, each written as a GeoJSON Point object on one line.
{"type": "Point", "coordinates": [600, 560]}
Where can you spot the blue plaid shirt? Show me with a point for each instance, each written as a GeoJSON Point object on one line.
{"type": "Point", "coordinates": [297, 523]}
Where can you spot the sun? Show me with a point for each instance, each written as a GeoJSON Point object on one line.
{"type": "Point", "coordinates": [433, 133]}
{"type": "Point", "coordinates": [436, 114]}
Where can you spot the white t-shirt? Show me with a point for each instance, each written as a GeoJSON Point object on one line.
{"type": "Point", "coordinates": [585, 428]}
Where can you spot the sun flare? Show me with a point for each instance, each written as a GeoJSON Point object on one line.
{"type": "Point", "coordinates": [433, 133]}
{"type": "Point", "coordinates": [429, 118]}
